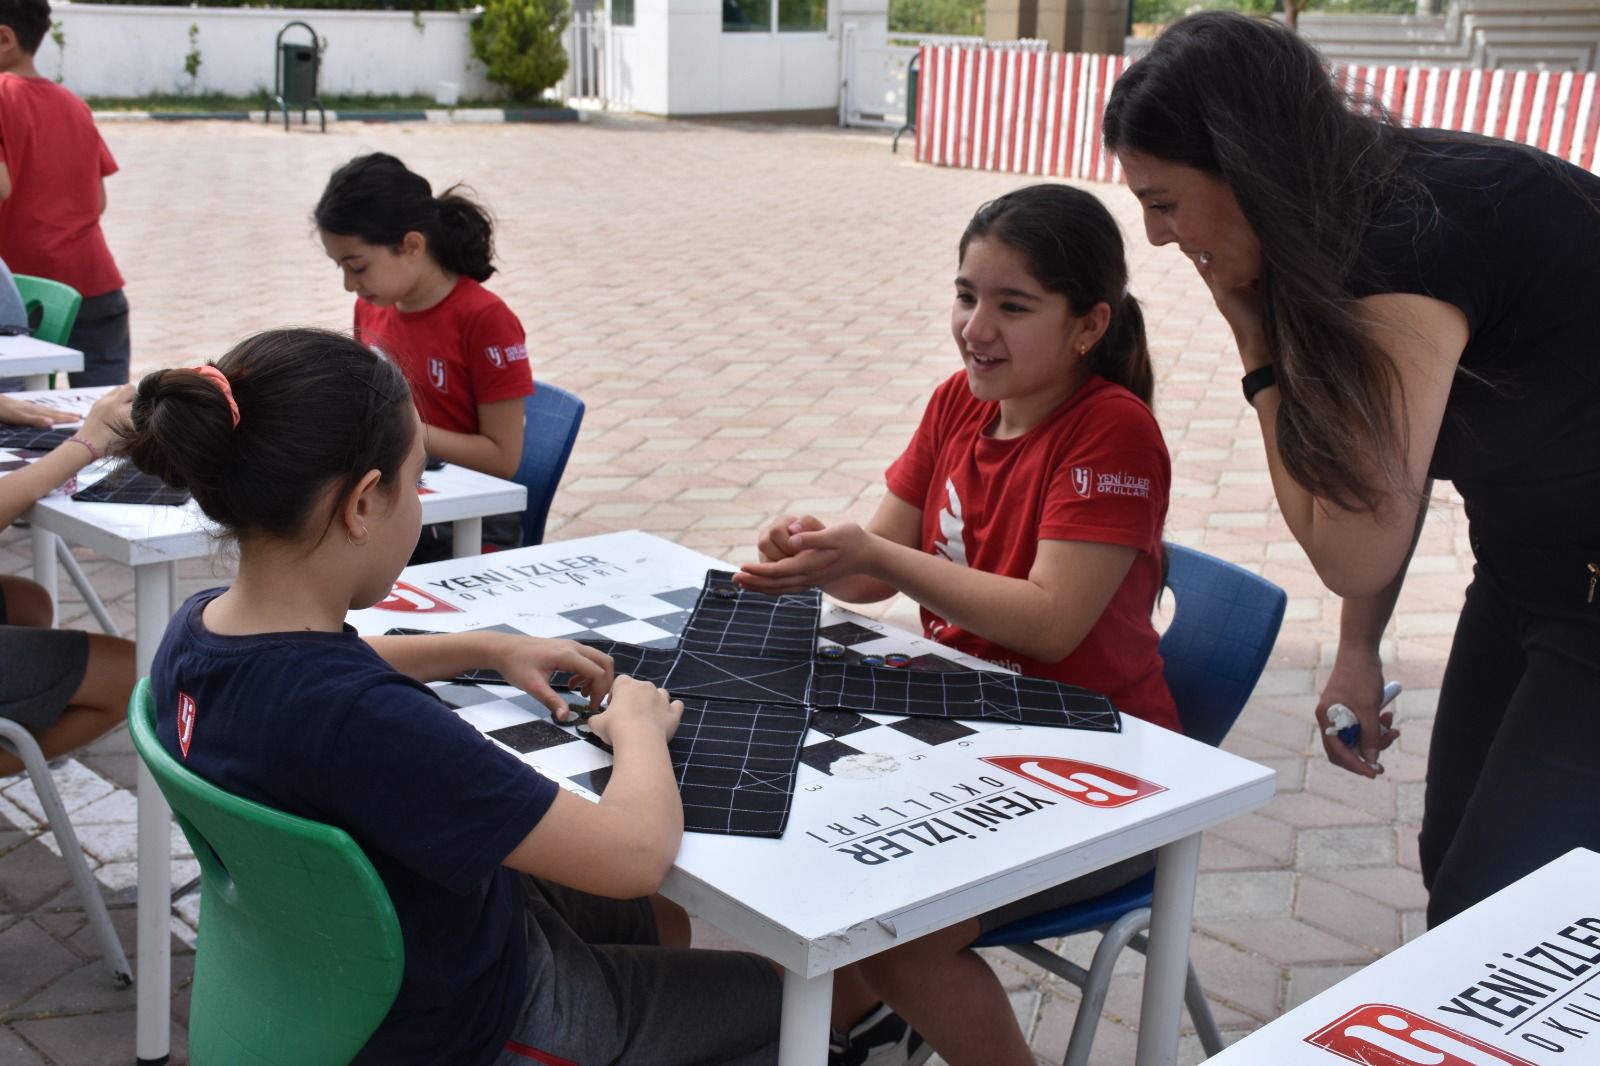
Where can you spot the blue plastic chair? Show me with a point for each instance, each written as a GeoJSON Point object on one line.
{"type": "Point", "coordinates": [551, 419]}
{"type": "Point", "coordinates": [1223, 627]}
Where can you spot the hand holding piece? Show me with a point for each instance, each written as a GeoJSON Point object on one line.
{"type": "Point", "coordinates": [528, 662]}
{"type": "Point", "coordinates": [636, 704]}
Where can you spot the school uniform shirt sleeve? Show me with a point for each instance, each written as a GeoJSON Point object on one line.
{"type": "Point", "coordinates": [108, 162]}
{"type": "Point", "coordinates": [911, 476]}
{"type": "Point", "coordinates": [496, 351]}
{"type": "Point", "coordinates": [1110, 478]}
{"type": "Point", "coordinates": [425, 788]}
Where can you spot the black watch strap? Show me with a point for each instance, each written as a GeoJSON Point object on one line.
{"type": "Point", "coordinates": [1260, 378]}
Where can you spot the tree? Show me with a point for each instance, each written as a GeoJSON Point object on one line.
{"type": "Point", "coordinates": [519, 41]}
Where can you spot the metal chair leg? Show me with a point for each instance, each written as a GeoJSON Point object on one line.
{"type": "Point", "coordinates": [19, 740]}
{"type": "Point", "coordinates": [1116, 937]}
{"type": "Point", "coordinates": [1194, 997]}
{"type": "Point", "coordinates": [69, 562]}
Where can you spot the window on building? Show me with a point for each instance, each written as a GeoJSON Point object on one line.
{"type": "Point", "coordinates": [622, 12]}
{"type": "Point", "coordinates": [757, 16]}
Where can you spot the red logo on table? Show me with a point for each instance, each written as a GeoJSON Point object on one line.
{"type": "Point", "coordinates": [1096, 786]}
{"type": "Point", "coordinates": [404, 597]}
{"type": "Point", "coordinates": [185, 722]}
{"type": "Point", "coordinates": [1376, 1034]}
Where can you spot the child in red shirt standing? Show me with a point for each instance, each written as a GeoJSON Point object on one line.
{"type": "Point", "coordinates": [1025, 517]}
{"type": "Point", "coordinates": [53, 166]}
{"type": "Point", "coordinates": [415, 263]}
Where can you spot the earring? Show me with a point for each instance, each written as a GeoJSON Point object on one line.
{"type": "Point", "coordinates": [1083, 349]}
{"type": "Point", "coordinates": [362, 543]}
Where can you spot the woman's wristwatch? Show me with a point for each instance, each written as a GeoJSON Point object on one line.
{"type": "Point", "coordinates": [1260, 378]}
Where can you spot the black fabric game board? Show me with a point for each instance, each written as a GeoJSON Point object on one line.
{"type": "Point", "coordinates": [32, 438]}
{"type": "Point", "coordinates": [126, 484]}
{"type": "Point", "coordinates": [753, 680]}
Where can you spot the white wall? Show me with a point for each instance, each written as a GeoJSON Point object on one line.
{"type": "Point", "coordinates": [112, 50]}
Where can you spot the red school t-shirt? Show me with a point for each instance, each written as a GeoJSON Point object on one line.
{"type": "Point", "coordinates": [1095, 470]}
{"type": "Point", "coordinates": [50, 224]}
{"type": "Point", "coordinates": [467, 349]}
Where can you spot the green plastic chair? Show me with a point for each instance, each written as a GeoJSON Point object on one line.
{"type": "Point", "coordinates": [56, 304]}
{"type": "Point", "coordinates": [299, 955]}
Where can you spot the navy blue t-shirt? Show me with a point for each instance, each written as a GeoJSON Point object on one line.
{"type": "Point", "coordinates": [317, 724]}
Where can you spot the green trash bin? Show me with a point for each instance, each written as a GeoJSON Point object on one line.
{"type": "Point", "coordinates": [295, 75]}
{"type": "Point", "coordinates": [913, 78]}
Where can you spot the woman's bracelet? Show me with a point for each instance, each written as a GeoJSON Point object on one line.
{"type": "Point", "coordinates": [94, 449]}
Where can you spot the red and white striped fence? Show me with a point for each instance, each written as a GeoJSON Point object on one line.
{"type": "Point", "coordinates": [1039, 112]}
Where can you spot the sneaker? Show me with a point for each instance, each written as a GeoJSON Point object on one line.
{"type": "Point", "coordinates": [882, 1038]}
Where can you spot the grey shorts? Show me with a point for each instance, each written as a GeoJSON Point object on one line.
{"type": "Point", "coordinates": [1066, 894]}
{"type": "Point", "coordinates": [601, 992]}
{"type": "Point", "coordinates": [40, 669]}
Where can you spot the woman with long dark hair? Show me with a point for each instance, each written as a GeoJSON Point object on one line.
{"type": "Point", "coordinates": [1408, 305]}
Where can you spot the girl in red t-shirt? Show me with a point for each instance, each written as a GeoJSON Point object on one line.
{"type": "Point", "coordinates": [1025, 518]}
{"type": "Point", "coordinates": [415, 261]}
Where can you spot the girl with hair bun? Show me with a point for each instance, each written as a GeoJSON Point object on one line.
{"type": "Point", "coordinates": [416, 263]}
{"type": "Point", "coordinates": [1025, 517]}
{"type": "Point", "coordinates": [526, 937]}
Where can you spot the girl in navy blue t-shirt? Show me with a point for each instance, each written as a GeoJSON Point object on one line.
{"type": "Point", "coordinates": [519, 903]}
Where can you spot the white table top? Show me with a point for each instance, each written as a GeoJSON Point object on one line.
{"type": "Point", "coordinates": [888, 847]}
{"type": "Point", "coordinates": [29, 355]}
{"type": "Point", "coordinates": [1515, 979]}
{"type": "Point", "coordinates": [137, 534]}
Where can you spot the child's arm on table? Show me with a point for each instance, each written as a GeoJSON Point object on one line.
{"type": "Point", "coordinates": [1044, 616]}
{"type": "Point", "coordinates": [15, 412]}
{"type": "Point", "coordinates": [622, 846]}
{"type": "Point", "coordinates": [526, 662]}
{"type": "Point", "coordinates": [21, 489]}
{"type": "Point", "coordinates": [495, 449]}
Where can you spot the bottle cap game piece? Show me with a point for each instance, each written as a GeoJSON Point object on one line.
{"type": "Point", "coordinates": [727, 592]}
{"type": "Point", "coordinates": [896, 659]}
{"type": "Point", "coordinates": [830, 651]}
{"type": "Point", "coordinates": [872, 660]}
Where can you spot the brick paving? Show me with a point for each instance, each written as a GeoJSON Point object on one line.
{"type": "Point", "coordinates": [755, 316]}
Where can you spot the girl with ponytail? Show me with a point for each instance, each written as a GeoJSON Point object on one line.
{"type": "Point", "coordinates": [1025, 517]}
{"type": "Point", "coordinates": [415, 262]}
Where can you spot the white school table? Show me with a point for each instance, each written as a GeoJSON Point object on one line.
{"type": "Point", "coordinates": [35, 360]}
{"type": "Point", "coordinates": [863, 865]}
{"type": "Point", "coordinates": [1515, 979]}
{"type": "Point", "coordinates": [153, 539]}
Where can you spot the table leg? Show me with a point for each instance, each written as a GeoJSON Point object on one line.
{"type": "Point", "coordinates": [468, 537]}
{"type": "Point", "coordinates": [36, 382]}
{"type": "Point", "coordinates": [1167, 961]}
{"type": "Point", "coordinates": [44, 564]}
{"type": "Point", "coordinates": [152, 585]}
{"type": "Point", "coordinates": [803, 1034]}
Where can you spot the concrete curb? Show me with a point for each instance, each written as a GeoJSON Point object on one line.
{"type": "Point", "coordinates": [459, 115]}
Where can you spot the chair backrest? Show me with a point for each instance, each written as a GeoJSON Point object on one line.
{"type": "Point", "coordinates": [1224, 625]}
{"type": "Point", "coordinates": [552, 417]}
{"type": "Point", "coordinates": [299, 956]}
{"type": "Point", "coordinates": [55, 304]}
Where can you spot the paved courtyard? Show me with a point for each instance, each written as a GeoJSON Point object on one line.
{"type": "Point", "coordinates": [755, 317]}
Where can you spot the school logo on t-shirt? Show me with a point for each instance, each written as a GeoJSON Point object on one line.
{"type": "Point", "coordinates": [511, 353]}
{"type": "Point", "coordinates": [951, 542]}
{"type": "Point", "coordinates": [185, 722]}
{"type": "Point", "coordinates": [1082, 478]}
{"type": "Point", "coordinates": [404, 597]}
{"type": "Point", "coordinates": [438, 374]}
{"type": "Point", "coordinates": [1377, 1034]}
{"type": "Point", "coordinates": [1091, 785]}
{"type": "Point", "coordinates": [1123, 485]}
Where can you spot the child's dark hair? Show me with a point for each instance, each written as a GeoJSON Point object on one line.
{"type": "Point", "coordinates": [374, 197]}
{"type": "Point", "coordinates": [316, 409]}
{"type": "Point", "coordinates": [28, 19]}
{"type": "Point", "coordinates": [1073, 247]}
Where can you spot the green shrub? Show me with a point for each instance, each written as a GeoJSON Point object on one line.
{"type": "Point", "coordinates": [519, 41]}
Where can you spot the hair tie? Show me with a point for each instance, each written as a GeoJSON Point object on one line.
{"type": "Point", "coordinates": [220, 380]}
